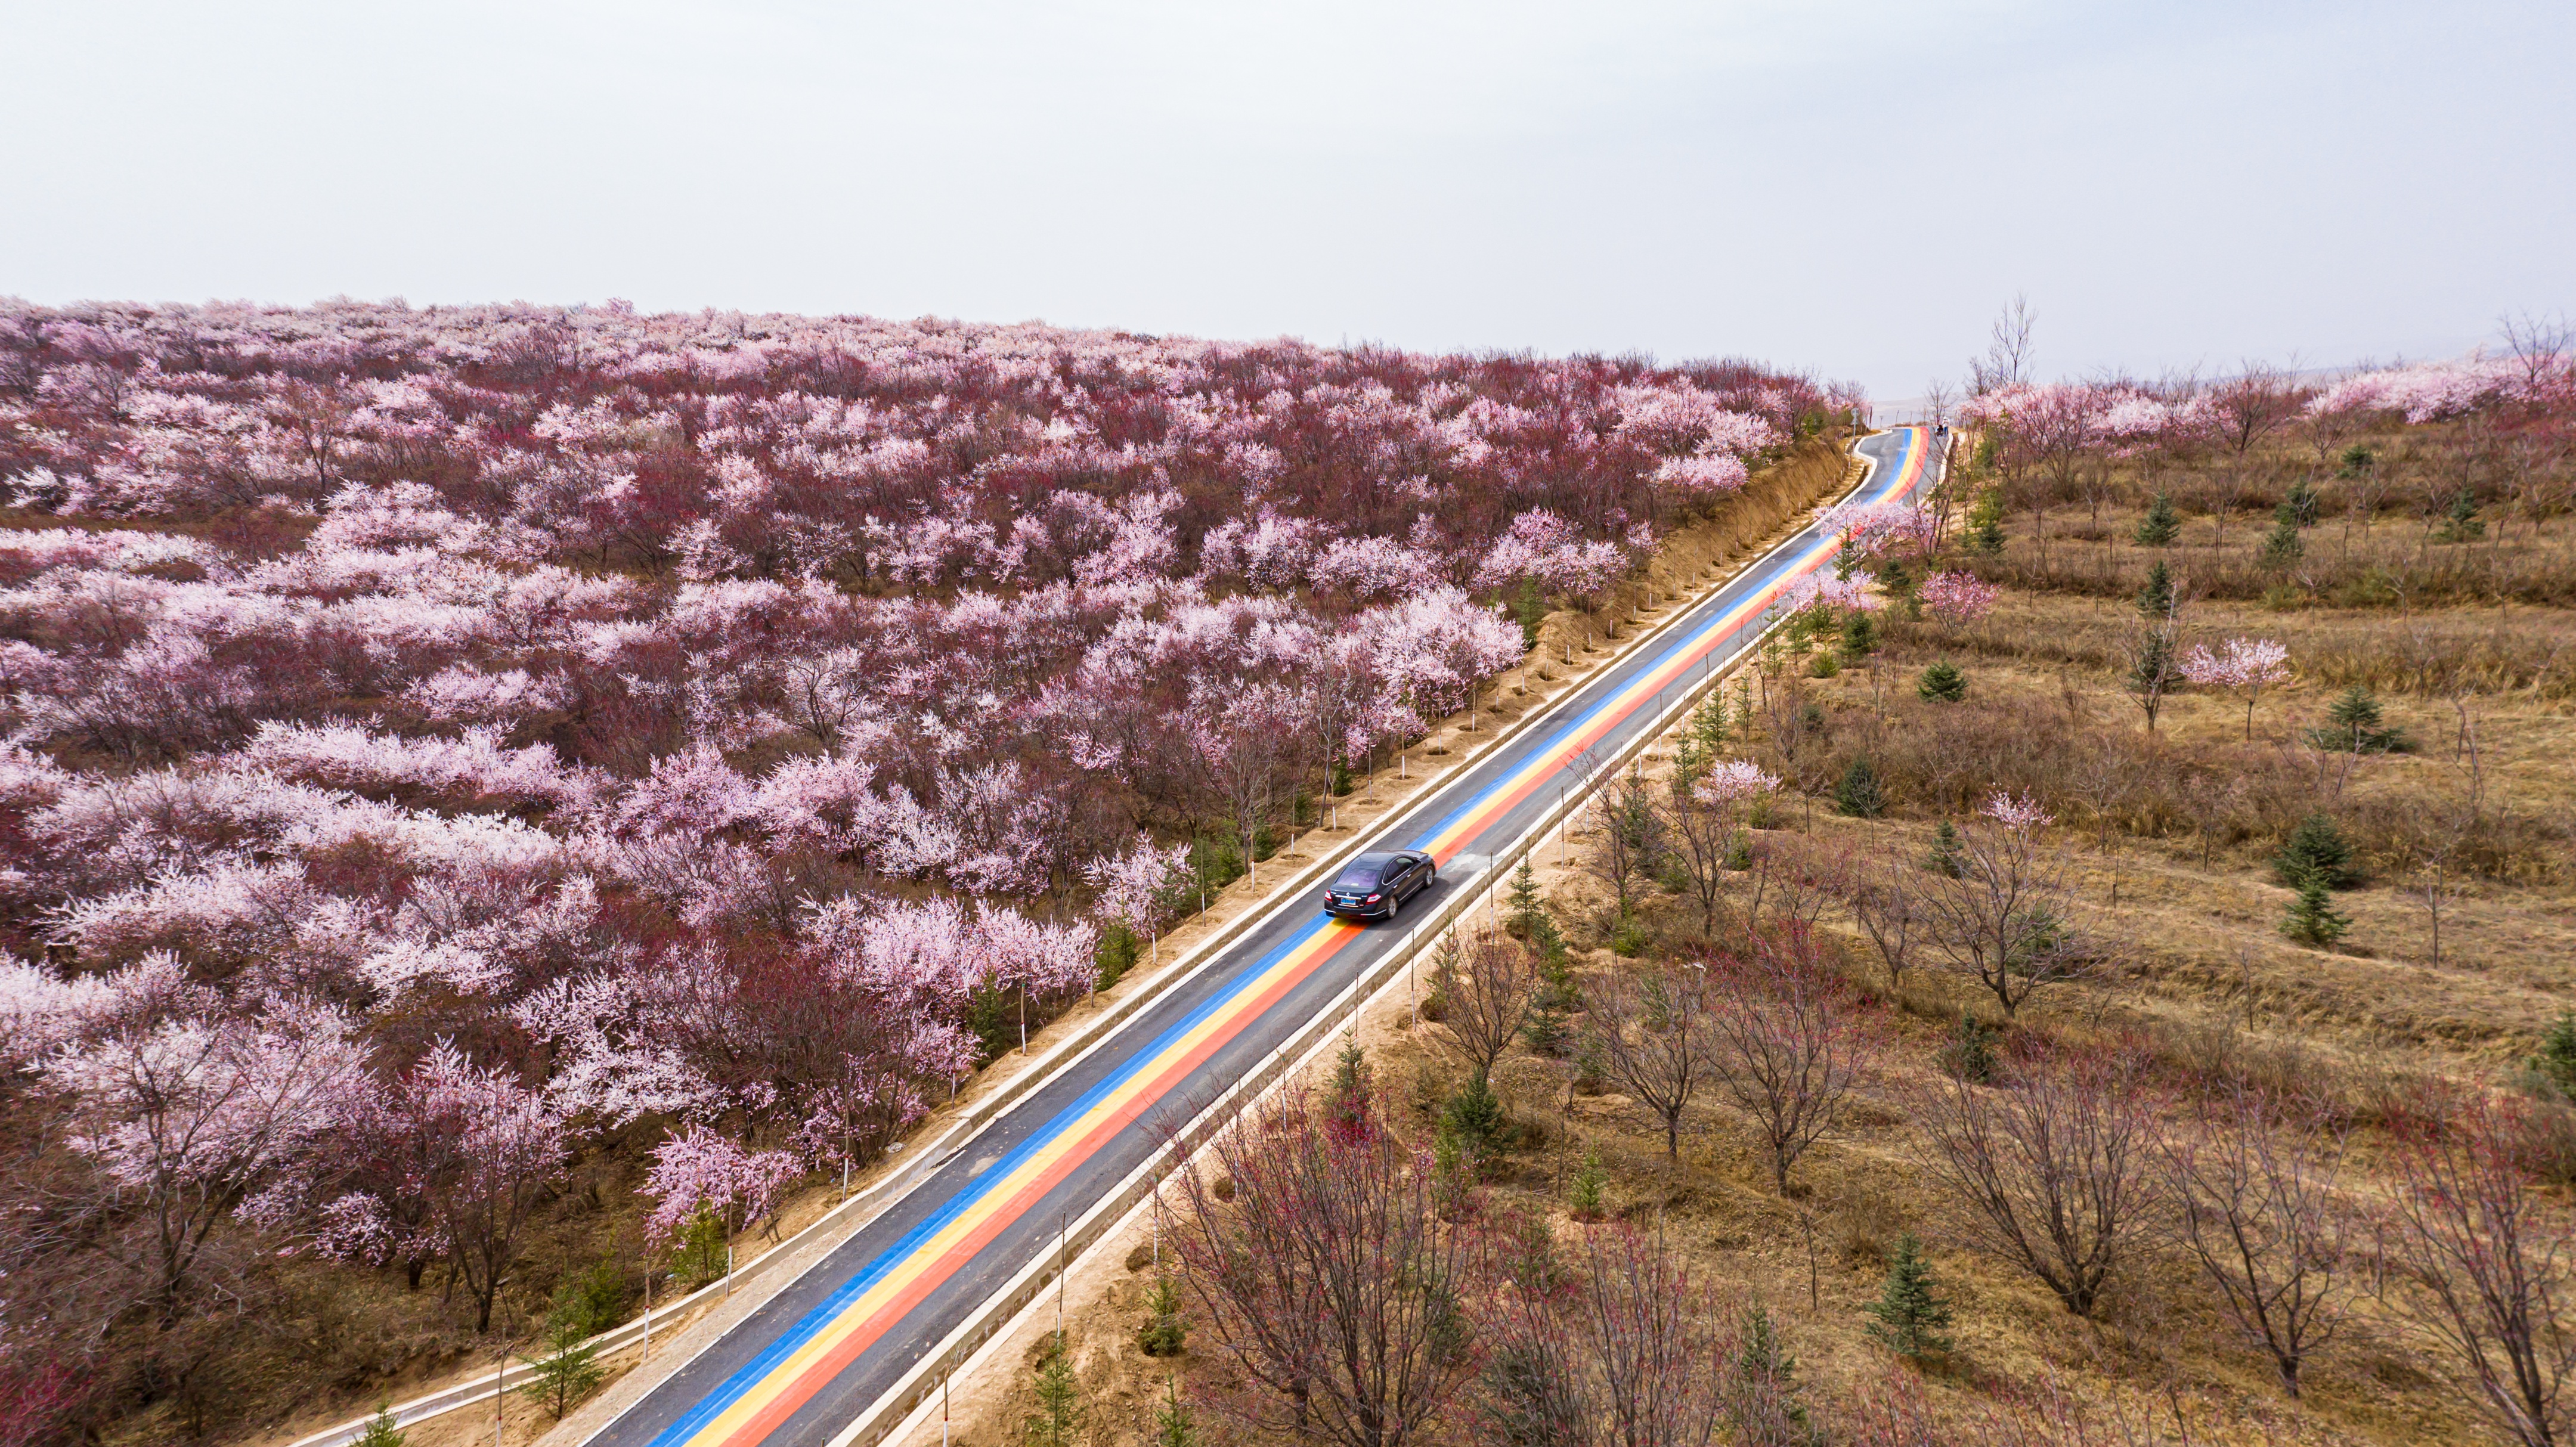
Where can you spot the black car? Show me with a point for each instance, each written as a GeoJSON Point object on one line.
{"type": "Point", "coordinates": [1375, 885]}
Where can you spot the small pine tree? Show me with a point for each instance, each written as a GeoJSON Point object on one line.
{"type": "Point", "coordinates": [1896, 578]}
{"type": "Point", "coordinates": [1971, 1053]}
{"type": "Point", "coordinates": [2353, 725]}
{"type": "Point", "coordinates": [2315, 851]}
{"type": "Point", "coordinates": [1173, 1425]}
{"type": "Point", "coordinates": [1164, 1333]}
{"type": "Point", "coordinates": [1708, 722]}
{"type": "Point", "coordinates": [2160, 526]}
{"type": "Point", "coordinates": [1744, 705]}
{"type": "Point", "coordinates": [2356, 460]}
{"type": "Point", "coordinates": [2156, 599]}
{"type": "Point", "coordinates": [2302, 502]}
{"type": "Point", "coordinates": [1986, 522]}
{"type": "Point", "coordinates": [1585, 1194]}
{"type": "Point", "coordinates": [2312, 917]}
{"type": "Point", "coordinates": [1451, 1177]}
{"type": "Point", "coordinates": [1058, 1419]}
{"type": "Point", "coordinates": [1526, 910]}
{"type": "Point", "coordinates": [1827, 664]}
{"type": "Point", "coordinates": [1529, 609]}
{"type": "Point", "coordinates": [1860, 635]}
{"type": "Point", "coordinates": [569, 1371]}
{"type": "Point", "coordinates": [1913, 1322]}
{"type": "Point", "coordinates": [2281, 546]}
{"type": "Point", "coordinates": [1859, 794]}
{"type": "Point", "coordinates": [1115, 955]}
{"type": "Point", "coordinates": [2556, 1062]}
{"type": "Point", "coordinates": [699, 1253]}
{"type": "Point", "coordinates": [2462, 522]}
{"type": "Point", "coordinates": [1943, 682]}
{"type": "Point", "coordinates": [1546, 1032]}
{"type": "Point", "coordinates": [1949, 856]}
{"type": "Point", "coordinates": [2357, 709]}
{"type": "Point", "coordinates": [1764, 1403]}
{"type": "Point", "coordinates": [381, 1431]}
{"type": "Point", "coordinates": [1739, 847]}
{"type": "Point", "coordinates": [1476, 1119]}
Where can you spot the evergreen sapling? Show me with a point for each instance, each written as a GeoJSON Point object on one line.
{"type": "Point", "coordinates": [1860, 795]}
{"type": "Point", "coordinates": [2556, 1062]}
{"type": "Point", "coordinates": [381, 1431]}
{"type": "Point", "coordinates": [1912, 1321]}
{"type": "Point", "coordinates": [2160, 526]}
{"type": "Point", "coordinates": [2312, 918]}
{"type": "Point", "coordinates": [1058, 1419]}
{"type": "Point", "coordinates": [2316, 852]}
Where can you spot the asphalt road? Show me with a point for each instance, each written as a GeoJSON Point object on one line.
{"type": "Point", "coordinates": [828, 1345]}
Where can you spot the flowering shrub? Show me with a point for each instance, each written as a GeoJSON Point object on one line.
{"type": "Point", "coordinates": [1732, 781]}
{"type": "Point", "coordinates": [1956, 598]}
{"type": "Point", "coordinates": [609, 717]}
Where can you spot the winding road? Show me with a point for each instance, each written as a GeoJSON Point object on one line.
{"type": "Point", "coordinates": [831, 1343]}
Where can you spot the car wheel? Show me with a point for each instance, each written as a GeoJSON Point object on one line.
{"type": "Point", "coordinates": [1394, 906]}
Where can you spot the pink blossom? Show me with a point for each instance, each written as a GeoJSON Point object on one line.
{"type": "Point", "coordinates": [2242, 665]}
{"type": "Point", "coordinates": [1732, 781]}
{"type": "Point", "coordinates": [698, 1170]}
{"type": "Point", "coordinates": [1133, 887]}
{"type": "Point", "coordinates": [2239, 663]}
{"type": "Point", "coordinates": [2019, 813]}
{"type": "Point", "coordinates": [1957, 599]}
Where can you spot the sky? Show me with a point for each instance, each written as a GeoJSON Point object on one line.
{"type": "Point", "coordinates": [1854, 189]}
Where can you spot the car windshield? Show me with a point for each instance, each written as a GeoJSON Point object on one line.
{"type": "Point", "coordinates": [1363, 872]}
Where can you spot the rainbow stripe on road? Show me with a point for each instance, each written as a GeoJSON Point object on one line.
{"type": "Point", "coordinates": [1469, 821]}
{"type": "Point", "coordinates": [769, 1388]}
{"type": "Point", "coordinates": [766, 1391]}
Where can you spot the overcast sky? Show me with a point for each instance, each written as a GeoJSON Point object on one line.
{"type": "Point", "coordinates": [1853, 188]}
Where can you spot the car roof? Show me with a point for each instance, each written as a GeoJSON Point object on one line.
{"type": "Point", "coordinates": [1375, 856]}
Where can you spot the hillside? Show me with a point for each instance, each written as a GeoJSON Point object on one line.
{"type": "Point", "coordinates": [2051, 914]}
{"type": "Point", "coordinates": [497, 800]}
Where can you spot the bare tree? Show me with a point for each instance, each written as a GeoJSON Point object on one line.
{"type": "Point", "coordinates": [2055, 1166]}
{"type": "Point", "coordinates": [1889, 906]}
{"type": "Point", "coordinates": [1486, 985]}
{"type": "Point", "coordinates": [2151, 656]}
{"type": "Point", "coordinates": [2106, 777]}
{"type": "Point", "coordinates": [2483, 1265]}
{"type": "Point", "coordinates": [1626, 1353]}
{"type": "Point", "coordinates": [1787, 1052]}
{"type": "Point", "coordinates": [1698, 835]}
{"type": "Point", "coordinates": [2006, 362]}
{"type": "Point", "coordinates": [2002, 918]}
{"type": "Point", "coordinates": [2257, 1210]}
{"type": "Point", "coordinates": [1650, 1031]}
{"type": "Point", "coordinates": [1626, 834]}
{"type": "Point", "coordinates": [2243, 410]}
{"type": "Point", "coordinates": [1800, 875]}
{"type": "Point", "coordinates": [1329, 1278]}
{"type": "Point", "coordinates": [2441, 836]}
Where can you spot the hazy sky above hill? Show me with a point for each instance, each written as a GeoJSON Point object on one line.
{"type": "Point", "coordinates": [1854, 189]}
